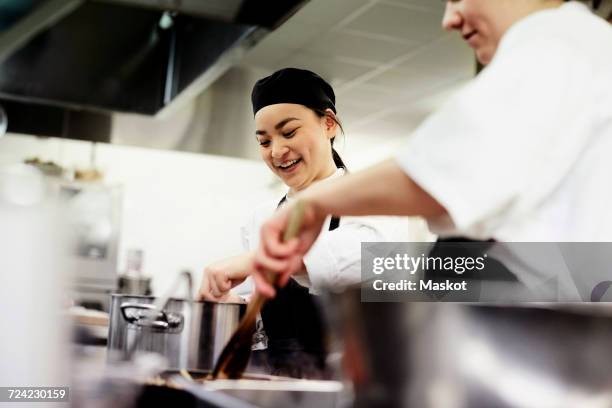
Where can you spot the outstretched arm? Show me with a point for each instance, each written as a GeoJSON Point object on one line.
{"type": "Point", "coordinates": [383, 189]}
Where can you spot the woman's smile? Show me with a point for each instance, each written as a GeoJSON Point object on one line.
{"type": "Point", "coordinates": [289, 166]}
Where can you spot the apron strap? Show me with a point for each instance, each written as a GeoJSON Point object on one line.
{"type": "Point", "coordinates": [333, 224]}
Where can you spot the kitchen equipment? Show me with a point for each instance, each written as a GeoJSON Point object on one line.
{"type": "Point", "coordinates": [253, 390]}
{"type": "Point", "coordinates": [475, 355]}
{"type": "Point", "coordinates": [276, 392]}
{"type": "Point", "coordinates": [157, 53]}
{"type": "Point", "coordinates": [235, 356]}
{"type": "Point", "coordinates": [130, 284]}
{"type": "Point", "coordinates": [90, 327]}
{"type": "Point", "coordinates": [151, 313]}
{"type": "Point", "coordinates": [95, 219]}
{"type": "Point", "coordinates": [133, 281]}
{"type": "Point", "coordinates": [190, 335]}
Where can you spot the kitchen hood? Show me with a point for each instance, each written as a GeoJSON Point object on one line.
{"type": "Point", "coordinates": [135, 56]}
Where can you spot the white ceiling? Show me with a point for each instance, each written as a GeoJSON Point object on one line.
{"type": "Point", "coordinates": [389, 61]}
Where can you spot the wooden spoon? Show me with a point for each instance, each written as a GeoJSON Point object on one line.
{"type": "Point", "coordinates": [236, 353]}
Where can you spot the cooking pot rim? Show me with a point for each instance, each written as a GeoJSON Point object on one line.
{"type": "Point", "coordinates": [119, 295]}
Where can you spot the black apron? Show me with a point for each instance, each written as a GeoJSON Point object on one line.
{"type": "Point", "coordinates": [295, 329]}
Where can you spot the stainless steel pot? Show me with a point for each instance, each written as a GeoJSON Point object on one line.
{"type": "Point", "coordinates": [190, 335]}
{"type": "Point", "coordinates": [474, 355]}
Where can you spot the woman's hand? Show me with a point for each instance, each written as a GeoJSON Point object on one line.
{"type": "Point", "coordinates": [221, 276]}
{"type": "Point", "coordinates": [275, 261]}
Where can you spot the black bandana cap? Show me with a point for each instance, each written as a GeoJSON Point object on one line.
{"type": "Point", "coordinates": [293, 85]}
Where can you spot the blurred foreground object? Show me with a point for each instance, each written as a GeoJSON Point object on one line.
{"type": "Point", "coordinates": [33, 345]}
{"type": "Point", "coordinates": [450, 355]}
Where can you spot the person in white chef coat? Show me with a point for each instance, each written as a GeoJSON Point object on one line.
{"type": "Point", "coordinates": [522, 153]}
{"type": "Point", "coordinates": [296, 125]}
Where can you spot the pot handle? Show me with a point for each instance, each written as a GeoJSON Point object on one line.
{"type": "Point", "coordinates": [130, 318]}
{"type": "Point", "coordinates": [175, 321]}
{"type": "Point", "coordinates": [163, 320]}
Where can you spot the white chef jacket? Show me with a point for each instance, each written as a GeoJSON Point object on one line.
{"type": "Point", "coordinates": [334, 261]}
{"type": "Point", "coordinates": [524, 151]}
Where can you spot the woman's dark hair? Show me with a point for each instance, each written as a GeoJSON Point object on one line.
{"type": "Point", "coordinates": [337, 159]}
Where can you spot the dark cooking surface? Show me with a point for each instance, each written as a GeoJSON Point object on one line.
{"type": "Point", "coordinates": [172, 394]}
{"type": "Point", "coordinates": [160, 396]}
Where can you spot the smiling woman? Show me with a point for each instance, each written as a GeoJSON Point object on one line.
{"type": "Point", "coordinates": [290, 103]}
{"type": "Point", "coordinates": [295, 143]}
{"type": "Point", "coordinates": [295, 125]}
